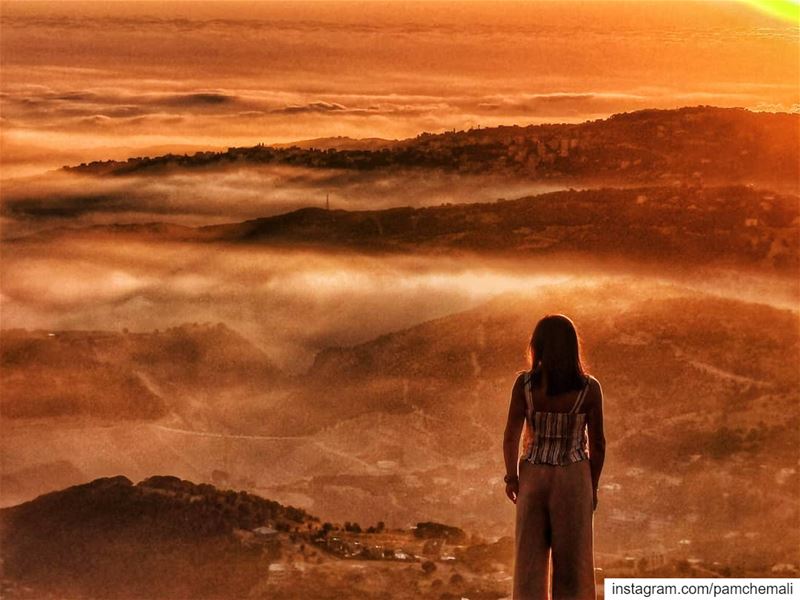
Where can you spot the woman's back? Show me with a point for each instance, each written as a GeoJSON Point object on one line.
{"type": "Point", "coordinates": [555, 485]}
{"type": "Point", "coordinates": [559, 403]}
{"type": "Point", "coordinates": [555, 429]}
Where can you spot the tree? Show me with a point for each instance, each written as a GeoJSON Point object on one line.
{"type": "Point", "coordinates": [352, 527]}
{"type": "Point", "coordinates": [431, 529]}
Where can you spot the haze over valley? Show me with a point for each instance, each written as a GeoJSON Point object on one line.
{"type": "Point", "coordinates": [264, 300]}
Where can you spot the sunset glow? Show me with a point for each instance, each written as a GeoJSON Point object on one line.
{"type": "Point", "coordinates": [271, 271]}
{"type": "Point", "coordinates": [280, 72]}
{"type": "Point", "coordinates": [784, 9]}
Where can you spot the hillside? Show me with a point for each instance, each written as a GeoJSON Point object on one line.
{"type": "Point", "coordinates": [160, 538]}
{"type": "Point", "coordinates": [674, 226]}
{"type": "Point", "coordinates": [702, 142]}
{"type": "Point", "coordinates": [734, 225]}
{"type": "Point", "coordinates": [126, 375]}
{"type": "Point", "coordinates": [700, 396]}
{"type": "Point", "coordinates": [170, 538]}
{"type": "Point", "coordinates": [431, 403]}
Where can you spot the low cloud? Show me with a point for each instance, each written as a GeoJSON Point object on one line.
{"type": "Point", "coordinates": [200, 99]}
{"type": "Point", "coordinates": [260, 292]}
{"type": "Point", "coordinates": [235, 194]}
{"type": "Point", "coordinates": [290, 73]}
{"type": "Point", "coordinates": [311, 107]}
{"type": "Point", "coordinates": [91, 283]}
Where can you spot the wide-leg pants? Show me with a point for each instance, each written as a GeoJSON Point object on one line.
{"type": "Point", "coordinates": [554, 518]}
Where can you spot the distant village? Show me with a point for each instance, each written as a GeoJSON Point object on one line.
{"type": "Point", "coordinates": [439, 551]}
{"type": "Point", "coordinates": [654, 146]}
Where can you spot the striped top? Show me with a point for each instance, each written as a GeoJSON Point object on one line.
{"type": "Point", "coordinates": [555, 438]}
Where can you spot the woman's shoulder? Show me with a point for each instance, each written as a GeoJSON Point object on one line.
{"type": "Point", "coordinates": [522, 377]}
{"type": "Point", "coordinates": [594, 390]}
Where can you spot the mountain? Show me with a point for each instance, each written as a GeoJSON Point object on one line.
{"type": "Point", "coordinates": [735, 225]}
{"type": "Point", "coordinates": [692, 143]}
{"type": "Point", "coordinates": [700, 396]}
{"type": "Point", "coordinates": [126, 375]}
{"type": "Point", "coordinates": [160, 538]}
{"type": "Point", "coordinates": [730, 226]}
{"type": "Point", "coordinates": [170, 538]}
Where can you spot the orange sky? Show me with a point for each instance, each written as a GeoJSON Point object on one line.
{"type": "Point", "coordinates": [84, 81]}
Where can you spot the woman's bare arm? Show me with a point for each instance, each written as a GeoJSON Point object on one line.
{"type": "Point", "coordinates": [516, 419]}
{"type": "Point", "coordinates": [597, 439]}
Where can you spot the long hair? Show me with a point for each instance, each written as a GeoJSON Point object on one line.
{"type": "Point", "coordinates": [555, 351]}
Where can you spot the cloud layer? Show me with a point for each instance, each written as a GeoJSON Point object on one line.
{"type": "Point", "coordinates": [85, 83]}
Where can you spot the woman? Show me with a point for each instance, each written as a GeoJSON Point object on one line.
{"type": "Point", "coordinates": [555, 490]}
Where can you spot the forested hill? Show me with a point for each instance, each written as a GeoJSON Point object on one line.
{"type": "Point", "coordinates": [738, 226]}
{"type": "Point", "coordinates": [705, 142]}
{"type": "Point", "coordinates": [167, 538]}
{"type": "Point", "coordinates": [161, 538]}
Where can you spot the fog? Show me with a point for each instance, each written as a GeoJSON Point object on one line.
{"type": "Point", "coordinates": [369, 380]}
{"type": "Point", "coordinates": [290, 304]}
{"type": "Point", "coordinates": [406, 427]}
{"type": "Point", "coordinates": [202, 197]}
{"type": "Point", "coordinates": [276, 73]}
{"type": "Point", "coordinates": [294, 303]}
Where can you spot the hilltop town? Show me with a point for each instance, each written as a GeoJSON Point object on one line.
{"type": "Point", "coordinates": [693, 143]}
